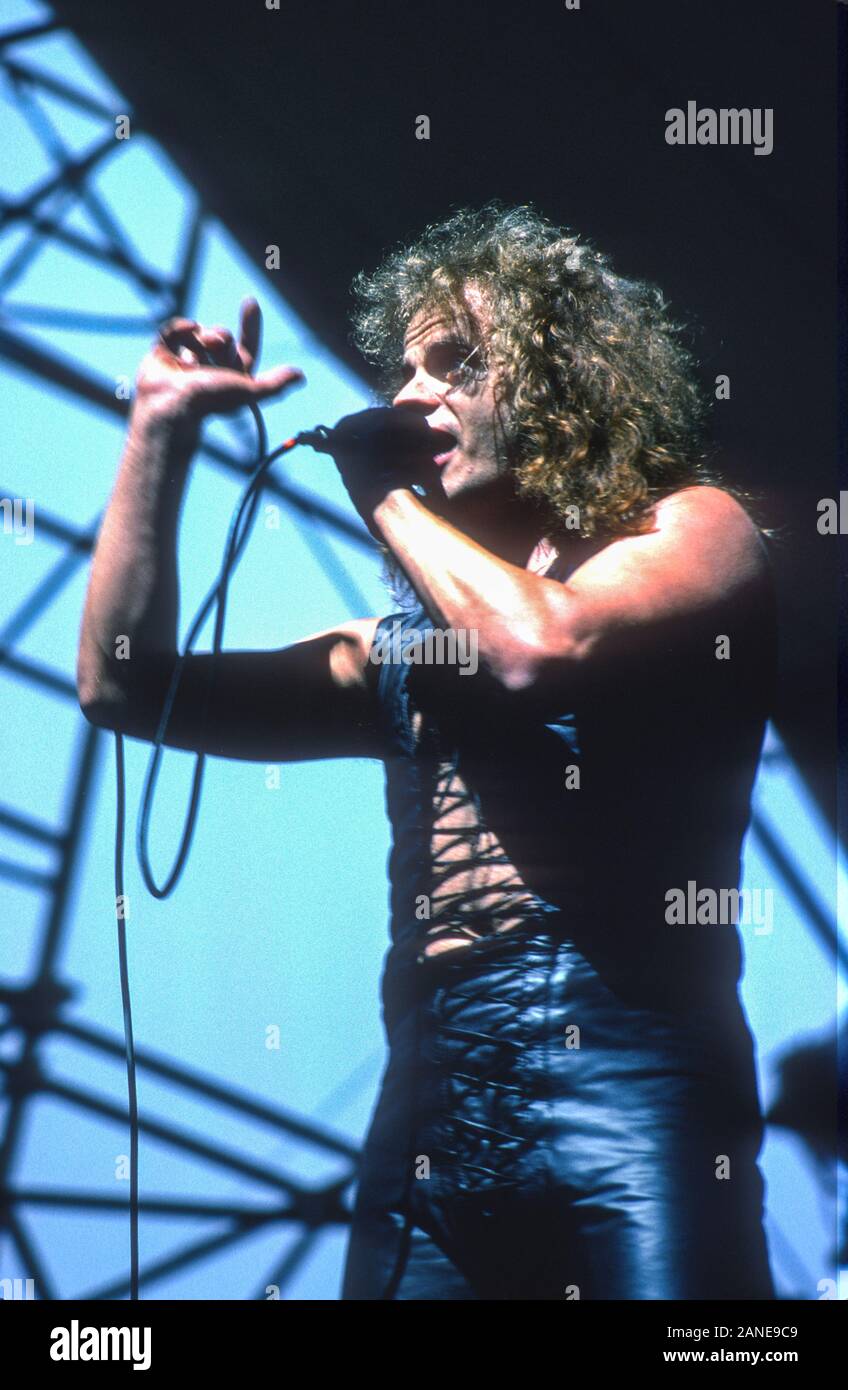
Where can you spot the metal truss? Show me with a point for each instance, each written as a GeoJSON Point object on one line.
{"type": "Point", "coordinates": [39, 1010]}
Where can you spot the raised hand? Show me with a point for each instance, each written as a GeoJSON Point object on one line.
{"type": "Point", "coordinates": [192, 371]}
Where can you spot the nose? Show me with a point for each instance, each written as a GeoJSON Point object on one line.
{"type": "Point", "coordinates": [418, 393]}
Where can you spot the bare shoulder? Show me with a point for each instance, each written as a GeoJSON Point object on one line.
{"type": "Point", "coordinates": [712, 525]}
{"type": "Point", "coordinates": [709, 506]}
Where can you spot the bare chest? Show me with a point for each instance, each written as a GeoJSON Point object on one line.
{"type": "Point", "coordinates": [474, 888]}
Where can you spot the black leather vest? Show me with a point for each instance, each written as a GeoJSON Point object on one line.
{"type": "Point", "coordinates": [603, 802]}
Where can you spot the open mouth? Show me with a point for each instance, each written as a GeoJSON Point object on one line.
{"type": "Point", "coordinates": [446, 454]}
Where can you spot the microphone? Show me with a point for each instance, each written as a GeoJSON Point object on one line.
{"type": "Point", "coordinates": [381, 429]}
{"type": "Point", "coordinates": [317, 439]}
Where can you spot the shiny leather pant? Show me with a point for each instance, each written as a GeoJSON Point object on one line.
{"type": "Point", "coordinates": [539, 1137]}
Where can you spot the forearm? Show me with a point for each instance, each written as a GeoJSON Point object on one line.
{"type": "Point", "coordinates": [517, 615]}
{"type": "Point", "coordinates": [132, 596]}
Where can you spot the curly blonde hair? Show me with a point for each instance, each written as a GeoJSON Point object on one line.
{"type": "Point", "coordinates": [603, 408]}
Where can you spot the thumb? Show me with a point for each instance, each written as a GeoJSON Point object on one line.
{"type": "Point", "coordinates": [276, 379]}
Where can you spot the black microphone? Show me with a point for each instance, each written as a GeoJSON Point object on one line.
{"type": "Point", "coordinates": [381, 428]}
{"type": "Point", "coordinates": [317, 439]}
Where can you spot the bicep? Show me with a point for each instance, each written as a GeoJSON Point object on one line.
{"type": "Point", "coordinates": [313, 699]}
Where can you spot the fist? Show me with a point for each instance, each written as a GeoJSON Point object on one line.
{"type": "Point", "coordinates": [377, 451]}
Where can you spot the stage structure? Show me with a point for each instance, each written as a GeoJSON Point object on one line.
{"type": "Point", "coordinates": [42, 1008]}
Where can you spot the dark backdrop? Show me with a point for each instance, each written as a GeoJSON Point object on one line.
{"type": "Point", "coordinates": [298, 128]}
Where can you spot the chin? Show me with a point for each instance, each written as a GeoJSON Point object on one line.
{"type": "Point", "coordinates": [461, 481]}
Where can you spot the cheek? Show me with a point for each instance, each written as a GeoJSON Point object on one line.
{"type": "Point", "coordinates": [482, 428]}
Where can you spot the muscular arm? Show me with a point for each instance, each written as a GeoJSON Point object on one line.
{"type": "Point", "coordinates": [308, 700]}
{"type": "Point", "coordinates": [702, 553]}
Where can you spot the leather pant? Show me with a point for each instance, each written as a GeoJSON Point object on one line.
{"type": "Point", "coordinates": [537, 1136]}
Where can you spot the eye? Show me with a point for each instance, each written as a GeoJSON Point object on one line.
{"type": "Point", "coordinates": [465, 365]}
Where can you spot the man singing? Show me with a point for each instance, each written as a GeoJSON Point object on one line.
{"type": "Point", "coordinates": [569, 1108]}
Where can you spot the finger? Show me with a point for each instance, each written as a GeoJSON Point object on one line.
{"type": "Point", "coordinates": [177, 323]}
{"type": "Point", "coordinates": [277, 379]}
{"type": "Point", "coordinates": [227, 390]}
{"type": "Point", "coordinates": [175, 330]}
{"type": "Point", "coordinates": [172, 344]}
{"type": "Point", "coordinates": [220, 345]}
{"type": "Point", "coordinates": [250, 333]}
{"type": "Point", "coordinates": [219, 334]}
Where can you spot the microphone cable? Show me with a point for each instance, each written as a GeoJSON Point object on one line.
{"type": "Point", "coordinates": [321, 440]}
{"type": "Point", "coordinates": [233, 551]}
